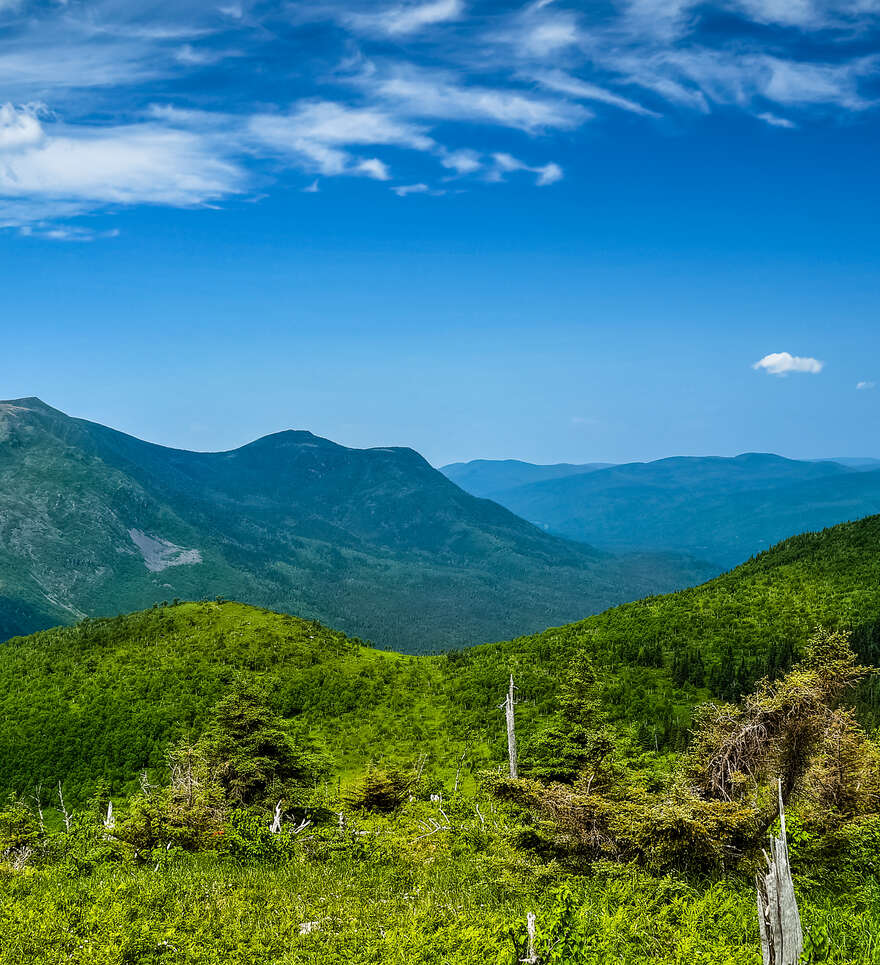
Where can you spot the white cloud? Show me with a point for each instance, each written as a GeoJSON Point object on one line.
{"type": "Point", "coordinates": [774, 121]}
{"type": "Point", "coordinates": [541, 30]}
{"type": "Point", "coordinates": [65, 233]}
{"type": "Point", "coordinates": [789, 82]}
{"type": "Point", "coordinates": [19, 127]}
{"type": "Point", "coordinates": [506, 163]}
{"type": "Point", "coordinates": [808, 14]}
{"type": "Point", "coordinates": [408, 18]}
{"type": "Point", "coordinates": [563, 83]}
{"type": "Point", "coordinates": [865, 386]}
{"type": "Point", "coordinates": [781, 363]}
{"type": "Point", "coordinates": [419, 93]}
{"type": "Point", "coordinates": [373, 168]}
{"type": "Point", "coordinates": [463, 161]}
{"type": "Point", "coordinates": [320, 133]}
{"type": "Point", "coordinates": [128, 164]}
{"type": "Point", "coordinates": [404, 189]}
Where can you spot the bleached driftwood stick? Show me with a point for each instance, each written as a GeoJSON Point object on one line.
{"type": "Point", "coordinates": [782, 940]}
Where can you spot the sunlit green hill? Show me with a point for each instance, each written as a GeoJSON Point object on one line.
{"type": "Point", "coordinates": [103, 699]}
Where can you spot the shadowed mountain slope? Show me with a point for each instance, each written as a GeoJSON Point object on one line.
{"type": "Point", "coordinates": [374, 541]}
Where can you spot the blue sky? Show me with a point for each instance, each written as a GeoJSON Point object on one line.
{"type": "Point", "coordinates": [552, 231]}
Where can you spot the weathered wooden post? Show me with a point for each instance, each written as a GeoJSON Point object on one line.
{"type": "Point", "coordinates": [782, 940]}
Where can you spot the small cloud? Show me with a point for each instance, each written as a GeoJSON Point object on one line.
{"type": "Point", "coordinates": [404, 189]}
{"type": "Point", "coordinates": [374, 168]}
{"type": "Point", "coordinates": [781, 363]}
{"type": "Point", "coordinates": [549, 174]}
{"type": "Point", "coordinates": [774, 121]}
{"type": "Point", "coordinates": [312, 188]}
{"type": "Point", "coordinates": [865, 386]}
{"type": "Point", "coordinates": [65, 233]}
{"type": "Point", "coordinates": [463, 161]}
{"type": "Point", "coordinates": [507, 163]}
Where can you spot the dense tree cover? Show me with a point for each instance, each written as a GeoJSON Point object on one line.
{"type": "Point", "coordinates": [101, 700]}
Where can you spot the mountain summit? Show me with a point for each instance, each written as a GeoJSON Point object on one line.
{"type": "Point", "coordinates": [374, 541]}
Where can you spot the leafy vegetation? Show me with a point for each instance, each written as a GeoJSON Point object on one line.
{"type": "Point", "coordinates": [385, 874]}
{"type": "Point", "coordinates": [102, 700]}
{"type": "Point", "coordinates": [238, 785]}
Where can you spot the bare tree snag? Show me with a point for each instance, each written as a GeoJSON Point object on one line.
{"type": "Point", "coordinates": [532, 951]}
{"type": "Point", "coordinates": [782, 940]}
{"type": "Point", "coordinates": [508, 706]}
{"type": "Point", "coordinates": [276, 820]}
{"type": "Point", "coordinates": [64, 811]}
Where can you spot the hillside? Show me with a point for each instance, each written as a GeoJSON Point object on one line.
{"type": "Point", "coordinates": [103, 699]}
{"type": "Point", "coordinates": [374, 541]}
{"type": "Point", "coordinates": [489, 477]}
{"type": "Point", "coordinates": [723, 510]}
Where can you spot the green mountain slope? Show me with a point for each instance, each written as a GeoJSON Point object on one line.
{"type": "Point", "coordinates": [724, 510]}
{"type": "Point", "coordinates": [376, 542]}
{"type": "Point", "coordinates": [488, 477]}
{"type": "Point", "coordinates": [103, 699]}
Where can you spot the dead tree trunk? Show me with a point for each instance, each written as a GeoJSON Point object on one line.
{"type": "Point", "coordinates": [508, 706]}
{"type": "Point", "coordinates": [782, 941]}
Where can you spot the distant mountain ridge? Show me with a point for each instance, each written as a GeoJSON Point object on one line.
{"type": "Point", "coordinates": [721, 509]}
{"type": "Point", "coordinates": [373, 541]}
{"type": "Point", "coordinates": [487, 477]}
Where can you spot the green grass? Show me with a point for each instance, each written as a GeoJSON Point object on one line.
{"type": "Point", "coordinates": [391, 898]}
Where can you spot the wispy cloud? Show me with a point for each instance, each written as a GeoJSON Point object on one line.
{"type": "Point", "coordinates": [506, 163]}
{"type": "Point", "coordinates": [421, 90]}
{"type": "Point", "coordinates": [775, 121]}
{"type": "Point", "coordinates": [416, 92]}
{"type": "Point", "coordinates": [865, 386]}
{"type": "Point", "coordinates": [320, 135]}
{"type": "Point", "coordinates": [405, 19]}
{"type": "Point", "coordinates": [783, 363]}
{"type": "Point", "coordinates": [404, 189]}
{"type": "Point", "coordinates": [563, 83]}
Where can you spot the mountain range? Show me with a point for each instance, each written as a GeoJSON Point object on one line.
{"type": "Point", "coordinates": [374, 542]}
{"type": "Point", "coordinates": [719, 509]}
